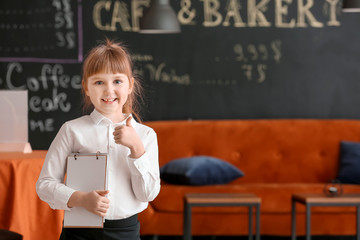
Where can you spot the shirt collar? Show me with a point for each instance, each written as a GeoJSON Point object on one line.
{"type": "Point", "coordinates": [98, 118]}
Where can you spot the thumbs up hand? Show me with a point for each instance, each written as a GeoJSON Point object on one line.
{"type": "Point", "coordinates": [127, 136]}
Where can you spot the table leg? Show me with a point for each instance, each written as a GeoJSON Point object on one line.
{"type": "Point", "coordinates": [358, 223]}
{"type": "Point", "coordinates": [308, 222]}
{"type": "Point", "coordinates": [257, 221]}
{"type": "Point", "coordinates": [293, 220]}
{"type": "Point", "coordinates": [187, 221]}
{"type": "Point", "coordinates": [250, 222]}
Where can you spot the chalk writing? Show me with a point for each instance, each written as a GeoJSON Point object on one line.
{"type": "Point", "coordinates": [332, 10]}
{"type": "Point", "coordinates": [64, 24]}
{"type": "Point", "coordinates": [120, 15]}
{"type": "Point", "coordinates": [58, 101]}
{"type": "Point", "coordinates": [54, 81]}
{"type": "Point", "coordinates": [46, 125]}
{"type": "Point", "coordinates": [186, 15]}
{"type": "Point", "coordinates": [252, 52]}
{"type": "Point", "coordinates": [142, 57]}
{"type": "Point", "coordinates": [218, 82]}
{"type": "Point", "coordinates": [161, 74]}
{"type": "Point", "coordinates": [229, 13]}
{"type": "Point", "coordinates": [257, 14]}
{"type": "Point", "coordinates": [39, 32]}
{"type": "Point", "coordinates": [251, 70]}
{"type": "Point", "coordinates": [50, 75]}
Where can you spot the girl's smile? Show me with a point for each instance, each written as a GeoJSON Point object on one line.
{"type": "Point", "coordinates": [109, 100]}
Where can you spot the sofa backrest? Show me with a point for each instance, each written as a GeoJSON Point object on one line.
{"type": "Point", "coordinates": [293, 150]}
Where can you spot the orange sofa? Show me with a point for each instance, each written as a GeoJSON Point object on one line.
{"type": "Point", "coordinates": [278, 157]}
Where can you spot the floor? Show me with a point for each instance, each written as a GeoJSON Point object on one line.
{"type": "Point", "coordinates": [245, 238]}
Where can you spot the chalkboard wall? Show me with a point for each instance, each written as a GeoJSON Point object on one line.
{"type": "Point", "coordinates": [234, 59]}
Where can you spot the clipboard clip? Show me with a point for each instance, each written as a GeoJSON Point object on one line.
{"type": "Point", "coordinates": [75, 155]}
{"type": "Point", "coordinates": [98, 153]}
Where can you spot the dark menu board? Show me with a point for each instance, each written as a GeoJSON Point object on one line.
{"type": "Point", "coordinates": [234, 59]}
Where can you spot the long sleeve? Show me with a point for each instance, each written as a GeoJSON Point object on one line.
{"type": "Point", "coordinates": [50, 186]}
{"type": "Point", "coordinates": [145, 176]}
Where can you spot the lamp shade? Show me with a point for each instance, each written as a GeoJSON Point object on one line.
{"type": "Point", "coordinates": [351, 5]}
{"type": "Point", "coordinates": [159, 18]}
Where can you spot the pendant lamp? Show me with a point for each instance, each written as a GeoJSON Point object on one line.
{"type": "Point", "coordinates": [159, 18]}
{"type": "Point", "coordinates": [351, 5]}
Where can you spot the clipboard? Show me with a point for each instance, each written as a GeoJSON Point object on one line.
{"type": "Point", "coordinates": [85, 172]}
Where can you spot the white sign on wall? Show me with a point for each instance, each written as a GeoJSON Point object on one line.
{"type": "Point", "coordinates": [14, 121]}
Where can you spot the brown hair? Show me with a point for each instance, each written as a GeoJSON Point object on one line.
{"type": "Point", "coordinates": [112, 57]}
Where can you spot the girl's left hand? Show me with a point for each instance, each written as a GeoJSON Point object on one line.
{"type": "Point", "coordinates": [127, 136]}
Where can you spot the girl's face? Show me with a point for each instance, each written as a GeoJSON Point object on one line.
{"type": "Point", "coordinates": [108, 93]}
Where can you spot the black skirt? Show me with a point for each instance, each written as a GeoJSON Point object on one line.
{"type": "Point", "coordinates": [123, 229]}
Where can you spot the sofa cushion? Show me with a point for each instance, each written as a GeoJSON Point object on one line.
{"type": "Point", "coordinates": [349, 170]}
{"type": "Point", "coordinates": [199, 170]}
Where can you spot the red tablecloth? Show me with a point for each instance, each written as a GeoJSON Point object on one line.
{"type": "Point", "coordinates": [21, 210]}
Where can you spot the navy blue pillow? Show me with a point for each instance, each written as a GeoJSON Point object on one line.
{"type": "Point", "coordinates": [199, 170]}
{"type": "Point", "coordinates": [349, 170]}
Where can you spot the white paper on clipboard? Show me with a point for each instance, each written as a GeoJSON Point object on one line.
{"type": "Point", "coordinates": [85, 172]}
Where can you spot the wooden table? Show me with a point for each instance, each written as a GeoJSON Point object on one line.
{"type": "Point", "coordinates": [221, 199]}
{"type": "Point", "coordinates": [318, 199]}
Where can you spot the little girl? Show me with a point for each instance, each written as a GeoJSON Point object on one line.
{"type": "Point", "coordinates": [133, 169]}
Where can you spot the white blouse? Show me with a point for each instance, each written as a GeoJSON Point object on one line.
{"type": "Point", "coordinates": [132, 182]}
